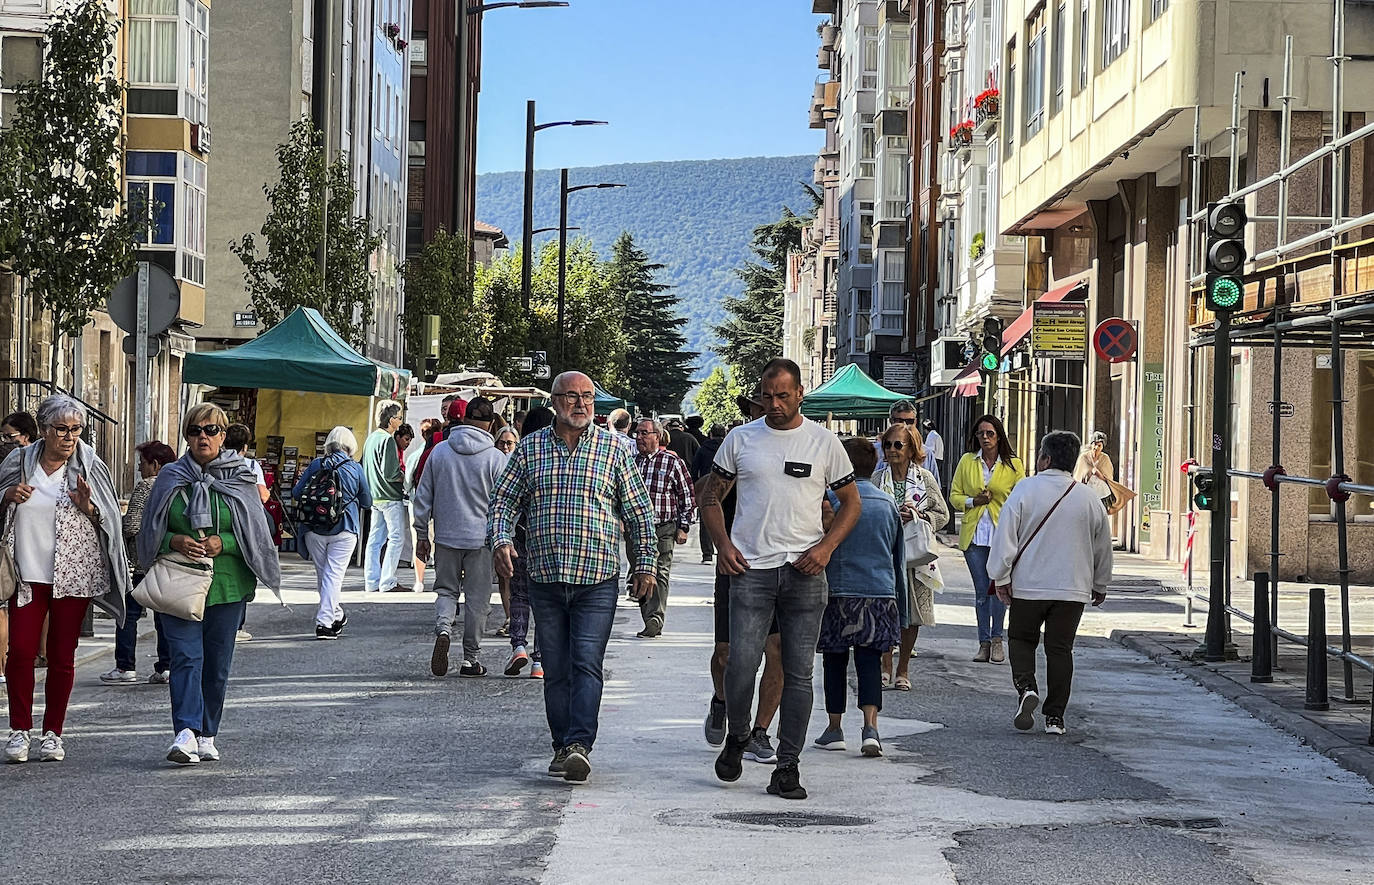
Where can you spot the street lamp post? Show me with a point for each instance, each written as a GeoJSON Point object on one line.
{"type": "Point", "coordinates": [527, 227]}
{"type": "Point", "coordinates": [563, 191]}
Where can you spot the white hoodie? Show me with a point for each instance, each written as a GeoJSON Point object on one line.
{"type": "Point", "coordinates": [1072, 554]}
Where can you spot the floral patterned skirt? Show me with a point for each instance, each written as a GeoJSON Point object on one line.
{"type": "Point", "coordinates": [851, 621]}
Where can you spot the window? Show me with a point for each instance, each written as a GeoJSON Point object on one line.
{"type": "Point", "coordinates": [197, 61]}
{"type": "Point", "coordinates": [1158, 8]}
{"type": "Point", "coordinates": [1116, 29]}
{"type": "Point", "coordinates": [1362, 506]}
{"type": "Point", "coordinates": [153, 26]}
{"type": "Point", "coordinates": [867, 151]}
{"type": "Point", "coordinates": [1035, 72]}
{"type": "Point", "coordinates": [21, 61]}
{"type": "Point", "coordinates": [1061, 31]}
{"type": "Point", "coordinates": [193, 220]}
{"type": "Point", "coordinates": [152, 185]}
{"type": "Point", "coordinates": [1082, 44]}
{"type": "Point", "coordinates": [870, 69]}
{"type": "Point", "coordinates": [1009, 100]}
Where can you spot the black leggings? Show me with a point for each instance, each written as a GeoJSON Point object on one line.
{"type": "Point", "coordinates": [868, 663]}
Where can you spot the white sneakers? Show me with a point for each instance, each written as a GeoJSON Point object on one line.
{"type": "Point", "coordinates": [205, 748]}
{"type": "Point", "coordinates": [49, 747]}
{"type": "Point", "coordinates": [119, 677]}
{"type": "Point", "coordinates": [17, 747]}
{"type": "Point", "coordinates": [185, 749]}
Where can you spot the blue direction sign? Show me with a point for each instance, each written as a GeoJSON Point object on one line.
{"type": "Point", "coordinates": [1115, 340]}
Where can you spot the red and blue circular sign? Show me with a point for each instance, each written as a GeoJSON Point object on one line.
{"type": "Point", "coordinates": [1115, 340]}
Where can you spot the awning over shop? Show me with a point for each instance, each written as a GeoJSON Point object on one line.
{"type": "Point", "coordinates": [301, 353]}
{"type": "Point", "coordinates": [1021, 326]}
{"type": "Point", "coordinates": [967, 382]}
{"type": "Point", "coordinates": [850, 394]}
{"type": "Point", "coordinates": [606, 403]}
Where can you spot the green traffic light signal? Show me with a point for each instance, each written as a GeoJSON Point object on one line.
{"type": "Point", "coordinates": [1203, 501]}
{"type": "Point", "coordinates": [1224, 292]}
{"type": "Point", "coordinates": [991, 363]}
{"type": "Point", "coordinates": [1203, 482]}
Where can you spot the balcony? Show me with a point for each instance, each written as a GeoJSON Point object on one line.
{"type": "Point", "coordinates": [823, 58]}
{"type": "Point", "coordinates": [823, 7]}
{"type": "Point", "coordinates": [829, 34]}
{"type": "Point", "coordinates": [830, 105]}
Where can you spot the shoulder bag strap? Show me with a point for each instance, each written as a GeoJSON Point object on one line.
{"type": "Point", "coordinates": [1027, 543]}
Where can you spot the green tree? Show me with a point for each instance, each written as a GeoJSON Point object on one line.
{"type": "Point", "coordinates": [502, 322]}
{"type": "Point", "coordinates": [60, 164]}
{"type": "Point", "coordinates": [657, 370]}
{"type": "Point", "coordinates": [715, 399]}
{"type": "Point", "coordinates": [285, 273]}
{"type": "Point", "coordinates": [439, 282]}
{"type": "Point", "coordinates": [752, 334]}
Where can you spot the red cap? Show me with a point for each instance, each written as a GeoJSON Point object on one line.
{"type": "Point", "coordinates": [456, 410]}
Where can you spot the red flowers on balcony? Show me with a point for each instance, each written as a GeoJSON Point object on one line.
{"type": "Point", "coordinates": [962, 134]}
{"type": "Point", "coordinates": [392, 30]}
{"type": "Point", "coordinates": [987, 104]}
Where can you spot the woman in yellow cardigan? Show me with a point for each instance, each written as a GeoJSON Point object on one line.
{"type": "Point", "coordinates": [982, 481]}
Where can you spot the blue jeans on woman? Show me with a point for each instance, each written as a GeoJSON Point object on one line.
{"type": "Point", "coordinates": [202, 652]}
{"type": "Point", "coordinates": [126, 637]}
{"type": "Point", "coordinates": [990, 610]}
{"type": "Point", "coordinates": [572, 624]}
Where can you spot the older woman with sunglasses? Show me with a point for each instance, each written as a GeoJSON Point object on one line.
{"type": "Point", "coordinates": [982, 481]}
{"type": "Point", "coordinates": [62, 528]}
{"type": "Point", "coordinates": [206, 504]}
{"type": "Point", "coordinates": [917, 493]}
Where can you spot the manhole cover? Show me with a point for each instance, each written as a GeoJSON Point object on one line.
{"type": "Point", "coordinates": [1185, 823]}
{"type": "Point", "coordinates": [792, 819]}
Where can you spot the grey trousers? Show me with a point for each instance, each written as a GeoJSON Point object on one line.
{"type": "Point", "coordinates": [654, 607]}
{"type": "Point", "coordinates": [467, 573]}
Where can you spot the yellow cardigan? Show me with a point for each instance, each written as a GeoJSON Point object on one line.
{"type": "Point", "coordinates": [968, 481]}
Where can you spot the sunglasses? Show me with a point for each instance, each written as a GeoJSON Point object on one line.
{"type": "Point", "coordinates": [893, 444]}
{"type": "Point", "coordinates": [195, 430]}
{"type": "Point", "coordinates": [909, 422]}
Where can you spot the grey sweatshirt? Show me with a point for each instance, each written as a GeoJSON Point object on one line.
{"type": "Point", "coordinates": [455, 489]}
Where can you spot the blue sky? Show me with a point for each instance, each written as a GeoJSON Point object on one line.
{"type": "Point", "coordinates": [676, 79]}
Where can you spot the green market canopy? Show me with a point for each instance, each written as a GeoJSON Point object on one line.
{"type": "Point", "coordinates": [606, 403]}
{"type": "Point", "coordinates": [301, 353]}
{"type": "Point", "coordinates": [850, 394]}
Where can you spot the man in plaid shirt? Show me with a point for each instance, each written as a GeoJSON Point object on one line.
{"type": "Point", "coordinates": [670, 489]}
{"type": "Point", "coordinates": [575, 485]}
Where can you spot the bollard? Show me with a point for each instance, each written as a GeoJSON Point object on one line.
{"type": "Point", "coordinates": [1261, 663]}
{"type": "Point", "coordinates": [1316, 650]}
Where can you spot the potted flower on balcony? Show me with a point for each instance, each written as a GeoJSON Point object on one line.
{"type": "Point", "coordinates": [961, 135]}
{"type": "Point", "coordinates": [401, 45]}
{"type": "Point", "coordinates": [392, 30]}
{"type": "Point", "coordinates": [987, 104]}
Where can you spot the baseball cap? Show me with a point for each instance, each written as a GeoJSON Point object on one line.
{"type": "Point", "coordinates": [480, 409]}
{"type": "Point", "coordinates": [457, 408]}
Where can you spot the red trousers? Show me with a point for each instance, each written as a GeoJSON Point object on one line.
{"type": "Point", "coordinates": [26, 627]}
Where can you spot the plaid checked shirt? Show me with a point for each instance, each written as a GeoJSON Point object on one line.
{"type": "Point", "coordinates": [574, 503]}
{"type": "Point", "coordinates": [670, 488]}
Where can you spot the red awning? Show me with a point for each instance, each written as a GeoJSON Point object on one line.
{"type": "Point", "coordinates": [967, 382]}
{"type": "Point", "coordinates": [1021, 326]}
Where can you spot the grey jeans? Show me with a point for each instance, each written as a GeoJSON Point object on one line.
{"type": "Point", "coordinates": [654, 607]}
{"type": "Point", "coordinates": [467, 573]}
{"type": "Point", "coordinates": [799, 601]}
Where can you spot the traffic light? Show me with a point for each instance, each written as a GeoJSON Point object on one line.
{"type": "Point", "coordinates": [1225, 256]}
{"type": "Point", "coordinates": [1204, 497]}
{"type": "Point", "coordinates": [992, 345]}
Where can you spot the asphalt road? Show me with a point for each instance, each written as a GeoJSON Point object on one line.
{"type": "Point", "coordinates": [347, 762]}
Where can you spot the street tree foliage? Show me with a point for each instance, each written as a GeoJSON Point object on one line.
{"type": "Point", "coordinates": [752, 333]}
{"type": "Point", "coordinates": [61, 224]}
{"type": "Point", "coordinates": [439, 282]}
{"type": "Point", "coordinates": [715, 399]}
{"type": "Point", "coordinates": [658, 369]}
{"type": "Point", "coordinates": [281, 271]}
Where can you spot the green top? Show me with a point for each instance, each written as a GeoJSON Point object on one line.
{"type": "Point", "coordinates": [234, 581]}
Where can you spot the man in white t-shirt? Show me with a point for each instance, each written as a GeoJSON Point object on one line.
{"type": "Point", "coordinates": [776, 552]}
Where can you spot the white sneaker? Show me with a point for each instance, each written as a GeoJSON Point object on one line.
{"type": "Point", "coordinates": [119, 677]}
{"type": "Point", "coordinates": [242, 636]}
{"type": "Point", "coordinates": [50, 750]}
{"type": "Point", "coordinates": [205, 748]}
{"type": "Point", "coordinates": [184, 750]}
{"type": "Point", "coordinates": [419, 587]}
{"type": "Point", "coordinates": [17, 747]}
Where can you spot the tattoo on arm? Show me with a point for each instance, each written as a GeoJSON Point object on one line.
{"type": "Point", "coordinates": [717, 487]}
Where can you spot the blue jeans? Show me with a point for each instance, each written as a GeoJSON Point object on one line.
{"type": "Point", "coordinates": [990, 610]}
{"type": "Point", "coordinates": [572, 624]}
{"type": "Point", "coordinates": [201, 655]}
{"type": "Point", "coordinates": [798, 601]}
{"type": "Point", "coordinates": [388, 524]}
{"type": "Point", "coordinates": [126, 637]}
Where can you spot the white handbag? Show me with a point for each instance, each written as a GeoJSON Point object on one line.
{"type": "Point", "coordinates": [176, 585]}
{"type": "Point", "coordinates": [920, 543]}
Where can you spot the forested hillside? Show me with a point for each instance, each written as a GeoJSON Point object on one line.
{"type": "Point", "coordinates": [695, 217]}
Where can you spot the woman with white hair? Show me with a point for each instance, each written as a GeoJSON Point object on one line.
{"type": "Point", "coordinates": [328, 497]}
{"type": "Point", "coordinates": [62, 529]}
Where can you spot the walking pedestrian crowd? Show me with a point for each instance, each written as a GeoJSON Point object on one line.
{"type": "Point", "coordinates": [822, 545]}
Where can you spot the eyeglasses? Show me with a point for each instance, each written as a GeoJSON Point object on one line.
{"type": "Point", "coordinates": [909, 422]}
{"type": "Point", "coordinates": [893, 444]}
{"type": "Point", "coordinates": [646, 433]}
{"type": "Point", "coordinates": [985, 433]}
{"type": "Point", "coordinates": [195, 430]}
{"type": "Point", "coordinates": [572, 398]}
{"type": "Point", "coordinates": [60, 430]}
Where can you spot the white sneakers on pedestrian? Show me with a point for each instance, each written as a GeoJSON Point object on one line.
{"type": "Point", "coordinates": [17, 747]}
{"type": "Point", "coordinates": [50, 749]}
{"type": "Point", "coordinates": [119, 677]}
{"type": "Point", "coordinates": [160, 677]}
{"type": "Point", "coordinates": [184, 749]}
{"type": "Point", "coordinates": [205, 749]}
{"type": "Point", "coordinates": [1025, 710]}
{"type": "Point", "coordinates": [518, 659]}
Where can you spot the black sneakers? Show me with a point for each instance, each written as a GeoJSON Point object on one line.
{"type": "Point", "coordinates": [472, 669]}
{"type": "Point", "coordinates": [786, 782]}
{"type": "Point", "coordinates": [715, 722]}
{"type": "Point", "coordinates": [575, 764]}
{"type": "Point", "coordinates": [730, 762]}
{"type": "Point", "coordinates": [560, 758]}
{"type": "Point", "coordinates": [438, 662]}
{"type": "Point", "coordinates": [330, 632]}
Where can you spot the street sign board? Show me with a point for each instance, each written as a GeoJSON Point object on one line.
{"type": "Point", "coordinates": [1115, 340]}
{"type": "Point", "coordinates": [1059, 330]}
{"type": "Point", "coordinates": [164, 301]}
{"type": "Point", "coordinates": [541, 372]}
{"type": "Point", "coordinates": [130, 346]}
{"type": "Point", "coordinates": [899, 373]}
{"type": "Point", "coordinates": [245, 318]}
{"type": "Point", "coordinates": [522, 363]}
{"type": "Point", "coordinates": [1286, 410]}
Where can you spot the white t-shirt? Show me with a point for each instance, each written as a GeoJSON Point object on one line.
{"type": "Point", "coordinates": [935, 445]}
{"type": "Point", "coordinates": [35, 527]}
{"type": "Point", "coordinates": [780, 480]}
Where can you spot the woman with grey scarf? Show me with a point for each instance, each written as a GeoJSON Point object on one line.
{"type": "Point", "coordinates": [206, 504]}
{"type": "Point", "coordinates": [61, 526]}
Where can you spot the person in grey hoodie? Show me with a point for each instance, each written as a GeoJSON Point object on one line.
{"type": "Point", "coordinates": [454, 492]}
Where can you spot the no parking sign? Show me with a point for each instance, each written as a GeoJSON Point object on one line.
{"type": "Point", "coordinates": [1115, 340]}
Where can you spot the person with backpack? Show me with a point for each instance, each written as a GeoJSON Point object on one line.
{"type": "Point", "coordinates": [328, 498]}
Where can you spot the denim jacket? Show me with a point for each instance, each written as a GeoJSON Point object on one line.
{"type": "Point", "coordinates": [871, 561]}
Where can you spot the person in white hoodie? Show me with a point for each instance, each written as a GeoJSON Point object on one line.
{"type": "Point", "coordinates": [453, 492]}
{"type": "Point", "coordinates": [1051, 555]}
